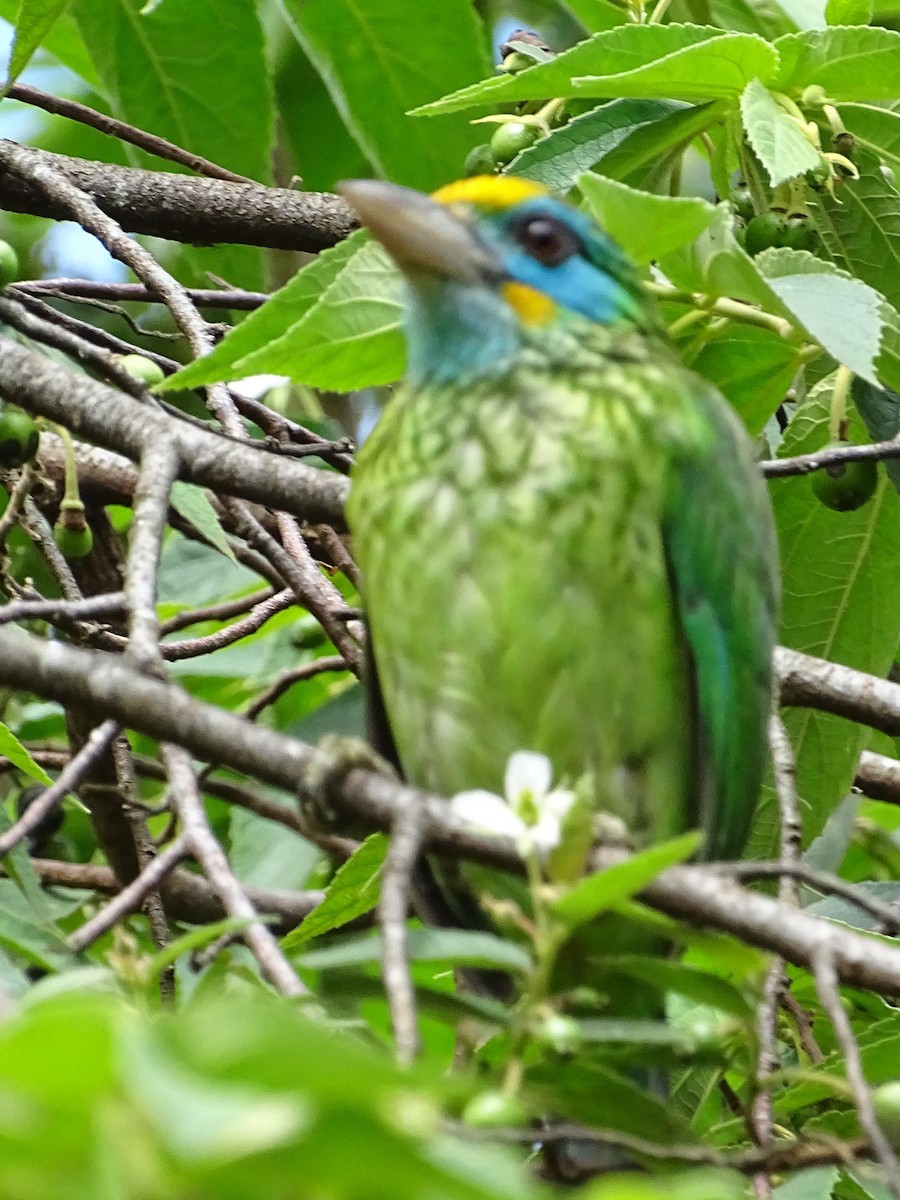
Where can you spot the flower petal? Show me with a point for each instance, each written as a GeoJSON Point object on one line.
{"type": "Point", "coordinates": [547, 833]}
{"type": "Point", "coordinates": [486, 811]}
{"type": "Point", "coordinates": [528, 772]}
{"type": "Point", "coordinates": [558, 802]}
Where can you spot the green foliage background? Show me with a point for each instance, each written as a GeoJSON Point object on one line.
{"type": "Point", "coordinates": [235, 1093]}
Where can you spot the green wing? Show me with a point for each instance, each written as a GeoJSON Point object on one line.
{"type": "Point", "coordinates": [722, 551]}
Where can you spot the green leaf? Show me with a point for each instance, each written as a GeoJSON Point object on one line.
{"type": "Point", "coordinates": [860, 227]}
{"type": "Point", "coordinates": [34, 21]}
{"type": "Point", "coordinates": [715, 265]}
{"type": "Point", "coordinates": [673, 62]}
{"type": "Point", "coordinates": [12, 748]}
{"type": "Point", "coordinates": [335, 325]}
{"type": "Point", "coordinates": [752, 367]}
{"type": "Point", "coordinates": [876, 129]}
{"type": "Point", "coordinates": [779, 143]}
{"type": "Point", "coordinates": [817, 1183]}
{"type": "Point", "coordinates": [192, 503]}
{"type": "Point", "coordinates": [597, 15]}
{"type": "Point", "coordinates": [353, 891]}
{"type": "Point", "coordinates": [849, 63]}
{"type": "Point", "coordinates": [456, 947]}
{"type": "Point", "coordinates": [840, 601]}
{"type": "Point", "coordinates": [601, 891]}
{"type": "Point", "coordinates": [396, 55]}
{"type": "Point", "coordinates": [849, 12]}
{"type": "Point", "coordinates": [698, 986]}
{"type": "Point", "coordinates": [644, 225]}
{"type": "Point", "coordinates": [843, 314]}
{"type": "Point", "coordinates": [582, 143]}
{"type": "Point", "coordinates": [266, 854]}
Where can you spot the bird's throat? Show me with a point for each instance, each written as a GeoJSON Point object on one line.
{"type": "Point", "coordinates": [457, 331]}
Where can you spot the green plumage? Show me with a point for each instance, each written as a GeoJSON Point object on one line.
{"type": "Point", "coordinates": [574, 558]}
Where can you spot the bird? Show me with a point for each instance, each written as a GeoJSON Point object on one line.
{"type": "Point", "coordinates": [565, 544]}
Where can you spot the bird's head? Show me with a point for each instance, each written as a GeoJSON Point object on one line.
{"type": "Point", "coordinates": [492, 262]}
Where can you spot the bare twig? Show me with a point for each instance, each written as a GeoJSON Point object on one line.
{"type": "Point", "coordinates": [132, 896]}
{"type": "Point", "coordinates": [287, 679]}
{"type": "Point", "coordinates": [185, 799]}
{"type": "Point", "coordinates": [88, 289]}
{"type": "Point", "coordinates": [87, 609]}
{"type": "Point", "coordinates": [120, 129]}
{"type": "Point", "coordinates": [804, 464]}
{"type": "Point", "coordinates": [825, 975]}
{"type": "Point", "coordinates": [182, 208]}
{"type": "Point", "coordinates": [393, 905]}
{"type": "Point", "coordinates": [68, 780]}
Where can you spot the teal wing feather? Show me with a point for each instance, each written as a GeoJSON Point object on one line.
{"type": "Point", "coordinates": [722, 552]}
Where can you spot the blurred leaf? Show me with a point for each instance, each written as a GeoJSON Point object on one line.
{"type": "Point", "coordinates": [18, 755]}
{"type": "Point", "coordinates": [705, 1184]}
{"type": "Point", "coordinates": [644, 225]}
{"type": "Point", "coordinates": [849, 12]}
{"type": "Point", "coordinates": [836, 908]}
{"type": "Point", "coordinates": [404, 55]}
{"type": "Point", "coordinates": [840, 601]}
{"type": "Point", "coordinates": [817, 1183]}
{"type": "Point", "coordinates": [779, 143]}
{"type": "Point", "coordinates": [588, 1091]}
{"type": "Point", "coordinates": [462, 947]}
{"type": "Point", "coordinates": [266, 854]}
{"type": "Point", "coordinates": [601, 891]}
{"type": "Point", "coordinates": [62, 40]}
{"type": "Point", "coordinates": [27, 933]}
{"type": "Point", "coordinates": [697, 985]}
{"type": "Point", "coordinates": [828, 850]}
{"type": "Point", "coordinates": [192, 503]}
{"type": "Point", "coordinates": [162, 67]}
{"type": "Point", "coordinates": [353, 891]}
{"type": "Point", "coordinates": [830, 58]}
{"type": "Point", "coordinates": [673, 62]}
{"type": "Point", "coordinates": [336, 325]}
{"type": "Point", "coordinates": [597, 15]}
{"type": "Point", "coordinates": [34, 21]}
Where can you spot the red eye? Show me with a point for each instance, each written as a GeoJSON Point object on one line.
{"type": "Point", "coordinates": [547, 240]}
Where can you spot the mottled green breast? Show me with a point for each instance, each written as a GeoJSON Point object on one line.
{"type": "Point", "coordinates": [517, 580]}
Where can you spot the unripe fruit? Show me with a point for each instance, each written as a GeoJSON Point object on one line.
{"type": "Point", "coordinates": [489, 1110]}
{"type": "Point", "coordinates": [73, 543]}
{"type": "Point", "coordinates": [511, 139]}
{"type": "Point", "coordinates": [144, 370]}
{"type": "Point", "coordinates": [847, 486]}
{"type": "Point", "coordinates": [764, 231]}
{"type": "Point", "coordinates": [19, 437]}
{"type": "Point", "coordinates": [799, 233]}
{"type": "Point", "coordinates": [886, 1100]}
{"type": "Point", "coordinates": [560, 1033]}
{"type": "Point", "coordinates": [741, 201]}
{"type": "Point", "coordinates": [480, 161]}
{"type": "Point", "coordinates": [515, 62]}
{"type": "Point", "coordinates": [9, 264]}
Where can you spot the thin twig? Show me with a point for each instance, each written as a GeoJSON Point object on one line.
{"type": "Point", "coordinates": [157, 146]}
{"type": "Point", "coordinates": [826, 979]}
{"type": "Point", "coordinates": [393, 906]}
{"type": "Point", "coordinates": [67, 781]}
{"type": "Point", "coordinates": [75, 610]}
{"type": "Point", "coordinates": [132, 896]}
{"type": "Point", "coordinates": [87, 289]}
{"type": "Point", "coordinates": [287, 679]}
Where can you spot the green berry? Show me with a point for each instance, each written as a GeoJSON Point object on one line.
{"type": "Point", "coordinates": [886, 1100]}
{"type": "Point", "coordinates": [19, 437]}
{"type": "Point", "coordinates": [488, 1110]}
{"type": "Point", "coordinates": [560, 1033]}
{"type": "Point", "coordinates": [740, 232]}
{"type": "Point", "coordinates": [845, 487]}
{"type": "Point", "coordinates": [515, 62]}
{"type": "Point", "coordinates": [9, 264]}
{"type": "Point", "coordinates": [73, 543]}
{"type": "Point", "coordinates": [480, 161]}
{"type": "Point", "coordinates": [764, 231]}
{"type": "Point", "coordinates": [144, 370]}
{"type": "Point", "coordinates": [511, 139]}
{"type": "Point", "coordinates": [741, 201]}
{"type": "Point", "coordinates": [799, 233]}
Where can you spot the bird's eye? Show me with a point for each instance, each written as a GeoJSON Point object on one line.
{"type": "Point", "coordinates": [547, 240]}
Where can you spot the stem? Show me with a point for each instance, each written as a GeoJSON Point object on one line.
{"type": "Point", "coordinates": [837, 421]}
{"type": "Point", "coordinates": [71, 494]}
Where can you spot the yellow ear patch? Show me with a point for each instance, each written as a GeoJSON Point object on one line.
{"type": "Point", "coordinates": [530, 306]}
{"type": "Point", "coordinates": [492, 192]}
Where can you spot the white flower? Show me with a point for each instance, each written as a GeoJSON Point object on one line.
{"type": "Point", "coordinates": [529, 810]}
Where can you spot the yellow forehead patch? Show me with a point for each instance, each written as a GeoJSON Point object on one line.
{"type": "Point", "coordinates": [492, 192]}
{"type": "Point", "coordinates": [530, 306]}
